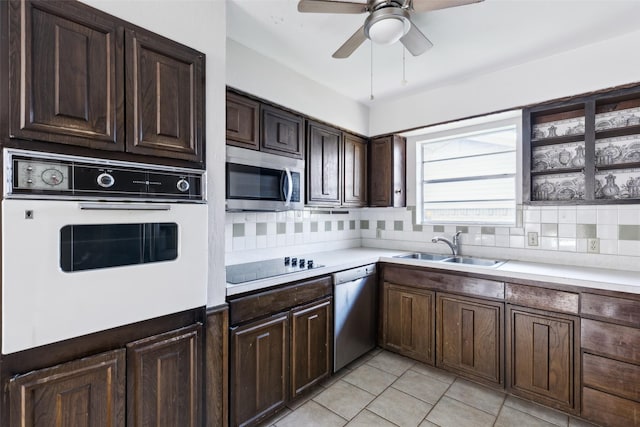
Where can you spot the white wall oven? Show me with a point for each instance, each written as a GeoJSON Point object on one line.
{"type": "Point", "coordinates": [90, 244]}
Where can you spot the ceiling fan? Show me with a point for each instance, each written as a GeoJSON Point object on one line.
{"type": "Point", "coordinates": [388, 21]}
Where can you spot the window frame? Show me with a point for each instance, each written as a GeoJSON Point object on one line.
{"type": "Point", "coordinates": [451, 129]}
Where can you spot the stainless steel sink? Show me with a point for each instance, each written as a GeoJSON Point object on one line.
{"type": "Point", "coordinates": [474, 261]}
{"type": "Point", "coordinates": [423, 256]}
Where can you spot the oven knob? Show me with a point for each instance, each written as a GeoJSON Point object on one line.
{"type": "Point", "coordinates": [183, 185]}
{"type": "Point", "coordinates": [286, 260]}
{"type": "Point", "coordinates": [105, 180]}
{"type": "Point", "coordinates": [294, 262]}
{"type": "Point", "coordinates": [301, 263]}
{"type": "Point", "coordinates": [310, 263]}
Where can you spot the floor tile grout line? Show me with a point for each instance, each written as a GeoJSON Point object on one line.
{"type": "Point", "coordinates": [435, 404]}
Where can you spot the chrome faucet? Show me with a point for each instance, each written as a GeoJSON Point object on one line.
{"type": "Point", "coordinates": [454, 243]}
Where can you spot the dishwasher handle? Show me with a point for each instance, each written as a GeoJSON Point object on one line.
{"type": "Point", "coordinates": [354, 274]}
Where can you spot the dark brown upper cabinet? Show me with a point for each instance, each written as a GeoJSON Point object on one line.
{"type": "Point", "coordinates": [165, 97]}
{"type": "Point", "coordinates": [387, 165]}
{"type": "Point", "coordinates": [68, 64]}
{"type": "Point", "coordinates": [323, 165]}
{"type": "Point", "coordinates": [66, 76]}
{"type": "Point", "coordinates": [282, 132]}
{"type": "Point", "coordinates": [243, 118]}
{"type": "Point", "coordinates": [585, 150]}
{"type": "Point", "coordinates": [354, 178]}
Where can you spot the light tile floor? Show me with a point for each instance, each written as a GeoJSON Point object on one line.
{"type": "Point", "coordinates": [385, 389]}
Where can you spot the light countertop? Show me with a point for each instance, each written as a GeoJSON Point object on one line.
{"type": "Point", "coordinates": [338, 260]}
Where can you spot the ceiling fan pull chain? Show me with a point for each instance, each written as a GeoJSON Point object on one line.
{"type": "Point", "coordinates": [404, 67]}
{"type": "Point", "coordinates": [371, 93]}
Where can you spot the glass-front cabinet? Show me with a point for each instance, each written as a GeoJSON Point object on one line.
{"type": "Point", "coordinates": [583, 150]}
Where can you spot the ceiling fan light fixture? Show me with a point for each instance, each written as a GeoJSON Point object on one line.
{"type": "Point", "coordinates": [386, 26]}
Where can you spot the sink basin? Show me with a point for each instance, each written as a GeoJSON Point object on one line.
{"type": "Point", "coordinates": [423, 256]}
{"type": "Point", "coordinates": [474, 261]}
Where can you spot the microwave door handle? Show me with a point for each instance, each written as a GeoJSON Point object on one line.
{"type": "Point", "coordinates": [287, 200]}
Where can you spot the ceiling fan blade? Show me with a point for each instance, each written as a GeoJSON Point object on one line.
{"type": "Point", "coordinates": [416, 42]}
{"type": "Point", "coordinates": [427, 5]}
{"type": "Point", "coordinates": [351, 44]}
{"type": "Point", "coordinates": [329, 6]}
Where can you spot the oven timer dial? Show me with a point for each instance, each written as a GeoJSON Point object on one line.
{"type": "Point", "coordinates": [105, 180]}
{"type": "Point", "coordinates": [52, 177]}
{"type": "Point", "coordinates": [182, 185]}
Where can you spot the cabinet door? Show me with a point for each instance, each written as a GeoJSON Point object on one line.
{"type": "Point", "coordinates": [311, 339]}
{"type": "Point", "coordinates": [83, 393]}
{"type": "Point", "coordinates": [408, 321]}
{"type": "Point", "coordinates": [259, 369]}
{"type": "Point", "coordinates": [243, 115]}
{"type": "Point", "coordinates": [282, 133]}
{"type": "Point", "coordinates": [65, 76]}
{"type": "Point", "coordinates": [469, 337]}
{"type": "Point", "coordinates": [165, 97]}
{"type": "Point", "coordinates": [323, 165]}
{"type": "Point", "coordinates": [387, 172]}
{"type": "Point", "coordinates": [354, 191]}
{"type": "Point", "coordinates": [541, 356]}
{"type": "Point", "coordinates": [163, 379]}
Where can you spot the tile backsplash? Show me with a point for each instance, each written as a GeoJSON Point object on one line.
{"type": "Point", "coordinates": [562, 233]}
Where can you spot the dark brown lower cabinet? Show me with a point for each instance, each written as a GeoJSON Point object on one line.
{"type": "Point", "coordinates": [311, 339]}
{"type": "Point", "coordinates": [611, 368]}
{"type": "Point", "coordinates": [408, 321]}
{"type": "Point", "coordinates": [469, 337]}
{"type": "Point", "coordinates": [88, 392]}
{"type": "Point", "coordinates": [541, 360]}
{"type": "Point", "coordinates": [259, 368]}
{"type": "Point", "coordinates": [163, 379]}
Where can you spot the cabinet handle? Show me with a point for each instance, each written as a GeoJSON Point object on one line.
{"type": "Point", "coordinates": [398, 191]}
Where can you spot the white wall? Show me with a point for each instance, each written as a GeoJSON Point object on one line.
{"type": "Point", "coordinates": [258, 75]}
{"type": "Point", "coordinates": [597, 66]}
{"type": "Point", "coordinates": [202, 26]}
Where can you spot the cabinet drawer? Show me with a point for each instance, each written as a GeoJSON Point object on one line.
{"type": "Point", "coordinates": [444, 282]}
{"type": "Point", "coordinates": [621, 342]}
{"type": "Point", "coordinates": [619, 378]}
{"type": "Point", "coordinates": [609, 410]}
{"type": "Point", "coordinates": [544, 299]}
{"type": "Point", "coordinates": [258, 305]}
{"type": "Point", "coordinates": [620, 309]}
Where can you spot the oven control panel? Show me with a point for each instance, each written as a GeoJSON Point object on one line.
{"type": "Point", "coordinates": [44, 175]}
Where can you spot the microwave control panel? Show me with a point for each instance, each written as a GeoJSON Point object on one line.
{"type": "Point", "coordinates": [45, 175]}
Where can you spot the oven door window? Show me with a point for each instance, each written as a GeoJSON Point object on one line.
{"type": "Point", "coordinates": [95, 246]}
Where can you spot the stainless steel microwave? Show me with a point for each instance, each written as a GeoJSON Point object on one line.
{"type": "Point", "coordinates": [257, 181]}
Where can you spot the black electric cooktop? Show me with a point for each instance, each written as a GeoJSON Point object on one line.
{"type": "Point", "coordinates": [240, 273]}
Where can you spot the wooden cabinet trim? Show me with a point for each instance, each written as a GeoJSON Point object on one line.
{"type": "Point", "coordinates": [275, 138]}
{"type": "Point", "coordinates": [431, 279]}
{"type": "Point", "coordinates": [250, 307]}
{"type": "Point", "coordinates": [355, 189]}
{"type": "Point", "coordinates": [542, 298]}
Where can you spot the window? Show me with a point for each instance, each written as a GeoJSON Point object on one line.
{"type": "Point", "coordinates": [467, 175]}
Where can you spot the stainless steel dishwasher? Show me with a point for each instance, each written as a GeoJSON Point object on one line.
{"type": "Point", "coordinates": [354, 314]}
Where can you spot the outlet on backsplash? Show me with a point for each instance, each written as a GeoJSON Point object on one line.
{"type": "Point", "coordinates": [532, 238]}
{"type": "Point", "coordinates": [593, 245]}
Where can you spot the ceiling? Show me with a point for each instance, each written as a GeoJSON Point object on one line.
{"type": "Point", "coordinates": [468, 40]}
